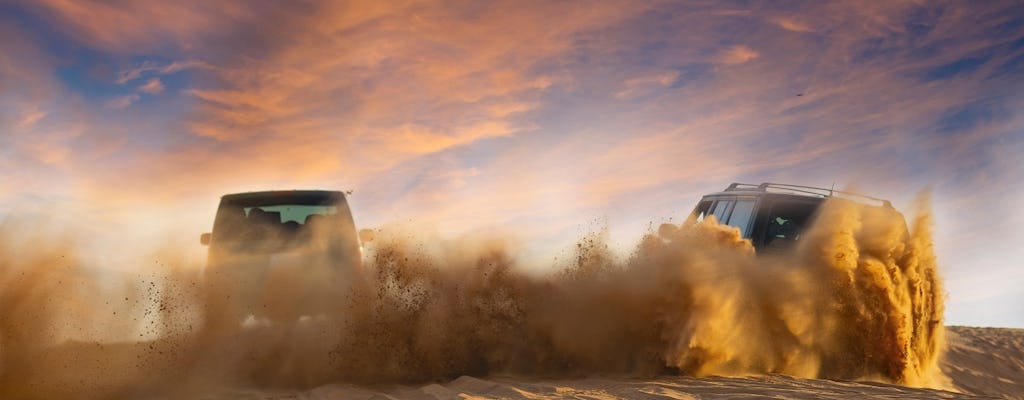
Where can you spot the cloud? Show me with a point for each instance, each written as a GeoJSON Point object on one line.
{"type": "Point", "coordinates": [30, 117]}
{"type": "Point", "coordinates": [52, 147]}
{"type": "Point", "coordinates": [146, 24]}
{"type": "Point", "coordinates": [505, 109]}
{"type": "Point", "coordinates": [39, 123]}
{"type": "Point", "coordinates": [377, 93]}
{"type": "Point", "coordinates": [152, 86]}
{"type": "Point", "coordinates": [737, 55]}
{"type": "Point", "coordinates": [122, 102]}
{"type": "Point", "coordinates": [159, 70]}
{"type": "Point", "coordinates": [792, 24]}
{"type": "Point", "coordinates": [421, 140]}
{"type": "Point", "coordinates": [643, 84]}
{"type": "Point", "coordinates": [389, 84]}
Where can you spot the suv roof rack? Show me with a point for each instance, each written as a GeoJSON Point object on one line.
{"type": "Point", "coordinates": [816, 191]}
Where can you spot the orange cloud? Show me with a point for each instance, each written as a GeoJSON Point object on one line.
{"type": "Point", "coordinates": [737, 55]}
{"type": "Point", "coordinates": [30, 116]}
{"type": "Point", "coordinates": [421, 140]}
{"type": "Point", "coordinates": [125, 26]}
{"type": "Point", "coordinates": [359, 89]}
{"type": "Point", "coordinates": [792, 24]}
{"type": "Point", "coordinates": [152, 86]}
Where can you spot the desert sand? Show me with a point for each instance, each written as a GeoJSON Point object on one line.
{"type": "Point", "coordinates": [987, 361]}
{"type": "Point", "coordinates": [980, 362]}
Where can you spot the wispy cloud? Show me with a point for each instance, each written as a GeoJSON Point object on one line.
{"type": "Point", "coordinates": [737, 55]}
{"type": "Point", "coordinates": [642, 84]}
{"type": "Point", "coordinates": [152, 68]}
{"type": "Point", "coordinates": [30, 116]}
{"type": "Point", "coordinates": [122, 102]}
{"type": "Point", "coordinates": [152, 86]}
{"type": "Point", "coordinates": [145, 24]}
{"type": "Point", "coordinates": [792, 24]}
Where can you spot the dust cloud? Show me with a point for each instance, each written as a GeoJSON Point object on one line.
{"type": "Point", "coordinates": [859, 297]}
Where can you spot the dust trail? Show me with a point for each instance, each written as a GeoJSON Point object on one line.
{"type": "Point", "coordinates": [67, 328]}
{"type": "Point", "coordinates": [858, 298]}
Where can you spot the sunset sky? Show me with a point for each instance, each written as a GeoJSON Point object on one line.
{"type": "Point", "coordinates": [543, 120]}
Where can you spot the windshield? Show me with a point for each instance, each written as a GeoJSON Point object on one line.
{"type": "Point", "coordinates": [279, 222]}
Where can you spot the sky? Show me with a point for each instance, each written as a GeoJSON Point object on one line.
{"type": "Point", "coordinates": [543, 120]}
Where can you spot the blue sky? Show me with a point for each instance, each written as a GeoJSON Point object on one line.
{"type": "Point", "coordinates": [536, 119]}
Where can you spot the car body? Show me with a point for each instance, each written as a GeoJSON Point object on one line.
{"type": "Point", "coordinates": [278, 253]}
{"type": "Point", "coordinates": [772, 216]}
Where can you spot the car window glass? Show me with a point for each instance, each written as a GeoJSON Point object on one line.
{"type": "Point", "coordinates": [721, 210]}
{"type": "Point", "coordinates": [300, 213]}
{"type": "Point", "coordinates": [740, 217]}
{"type": "Point", "coordinates": [787, 220]}
{"type": "Point", "coordinates": [275, 226]}
{"type": "Point", "coordinates": [702, 210]}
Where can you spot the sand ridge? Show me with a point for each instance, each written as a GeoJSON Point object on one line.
{"type": "Point", "coordinates": [600, 388]}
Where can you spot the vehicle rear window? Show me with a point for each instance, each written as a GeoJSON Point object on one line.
{"type": "Point", "coordinates": [299, 213]}
{"type": "Point", "coordinates": [278, 222]}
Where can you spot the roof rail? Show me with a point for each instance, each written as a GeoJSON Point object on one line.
{"type": "Point", "coordinates": [822, 192]}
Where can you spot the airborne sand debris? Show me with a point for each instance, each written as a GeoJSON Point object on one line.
{"type": "Point", "coordinates": [859, 298]}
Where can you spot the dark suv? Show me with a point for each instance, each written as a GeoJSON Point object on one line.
{"type": "Point", "coordinates": [771, 215]}
{"type": "Point", "coordinates": [272, 252]}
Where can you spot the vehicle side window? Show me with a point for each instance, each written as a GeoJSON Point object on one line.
{"type": "Point", "coordinates": [701, 211]}
{"type": "Point", "coordinates": [740, 217]}
{"type": "Point", "coordinates": [721, 210]}
{"type": "Point", "coordinates": [787, 220]}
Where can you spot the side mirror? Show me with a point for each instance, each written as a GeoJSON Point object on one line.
{"type": "Point", "coordinates": [367, 235]}
{"type": "Point", "coordinates": [204, 239]}
{"type": "Point", "coordinates": [667, 231]}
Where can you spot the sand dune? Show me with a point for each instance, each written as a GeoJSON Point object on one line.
{"type": "Point", "coordinates": [986, 361]}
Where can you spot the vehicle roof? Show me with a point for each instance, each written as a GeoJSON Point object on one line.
{"type": "Point", "coordinates": [281, 193]}
{"type": "Point", "coordinates": [782, 189]}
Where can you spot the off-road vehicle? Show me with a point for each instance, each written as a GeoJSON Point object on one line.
{"type": "Point", "coordinates": [771, 215]}
{"type": "Point", "coordinates": [278, 254]}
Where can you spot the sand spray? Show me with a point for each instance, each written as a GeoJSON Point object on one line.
{"type": "Point", "coordinates": [858, 297]}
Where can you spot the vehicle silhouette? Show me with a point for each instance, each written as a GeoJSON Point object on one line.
{"type": "Point", "coordinates": [773, 216]}
{"type": "Point", "coordinates": [275, 256]}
